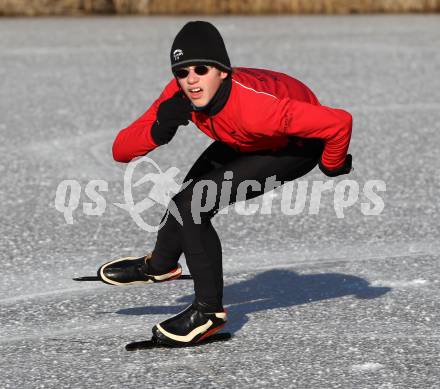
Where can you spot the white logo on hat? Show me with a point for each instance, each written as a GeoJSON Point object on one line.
{"type": "Point", "coordinates": [177, 54]}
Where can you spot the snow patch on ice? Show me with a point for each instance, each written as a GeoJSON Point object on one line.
{"type": "Point", "coordinates": [368, 366]}
{"type": "Point", "coordinates": [400, 283]}
{"type": "Point", "coordinates": [87, 155]}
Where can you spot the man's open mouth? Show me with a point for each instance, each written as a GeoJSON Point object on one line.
{"type": "Point", "coordinates": [195, 92]}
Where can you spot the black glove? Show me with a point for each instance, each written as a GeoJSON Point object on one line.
{"type": "Point", "coordinates": [344, 169]}
{"type": "Point", "coordinates": [172, 113]}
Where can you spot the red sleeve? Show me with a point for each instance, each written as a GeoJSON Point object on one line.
{"type": "Point", "coordinates": [135, 140]}
{"type": "Point", "coordinates": [278, 117]}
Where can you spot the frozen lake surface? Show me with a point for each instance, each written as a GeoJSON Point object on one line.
{"type": "Point", "coordinates": [315, 301]}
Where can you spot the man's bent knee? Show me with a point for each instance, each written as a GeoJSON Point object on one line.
{"type": "Point", "coordinates": [198, 203]}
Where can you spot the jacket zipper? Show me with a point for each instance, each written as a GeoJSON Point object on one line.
{"type": "Point", "coordinates": [213, 130]}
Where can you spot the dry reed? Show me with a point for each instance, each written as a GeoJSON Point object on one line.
{"type": "Point", "coordinates": [212, 7]}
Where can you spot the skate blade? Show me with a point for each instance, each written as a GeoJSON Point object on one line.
{"type": "Point", "coordinates": [95, 278]}
{"type": "Point", "coordinates": [153, 343]}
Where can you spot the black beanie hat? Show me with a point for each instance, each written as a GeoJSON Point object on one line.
{"type": "Point", "coordinates": [199, 42]}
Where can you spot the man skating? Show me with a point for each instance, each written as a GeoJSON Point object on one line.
{"type": "Point", "coordinates": [263, 123]}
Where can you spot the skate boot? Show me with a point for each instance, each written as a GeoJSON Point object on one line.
{"type": "Point", "coordinates": [133, 270]}
{"type": "Point", "coordinates": [189, 326]}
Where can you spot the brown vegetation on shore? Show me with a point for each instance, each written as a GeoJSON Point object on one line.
{"type": "Point", "coordinates": [212, 7]}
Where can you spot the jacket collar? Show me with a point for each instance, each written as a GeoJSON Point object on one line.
{"type": "Point", "coordinates": [218, 101]}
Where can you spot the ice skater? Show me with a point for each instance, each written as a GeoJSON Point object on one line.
{"type": "Point", "coordinates": [263, 123]}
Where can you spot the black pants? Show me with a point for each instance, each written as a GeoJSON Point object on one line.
{"type": "Point", "coordinates": [197, 239]}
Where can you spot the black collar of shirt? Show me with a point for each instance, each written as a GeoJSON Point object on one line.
{"type": "Point", "coordinates": [218, 101]}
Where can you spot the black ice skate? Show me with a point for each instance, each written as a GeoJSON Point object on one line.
{"type": "Point", "coordinates": [133, 270]}
{"type": "Point", "coordinates": [189, 327]}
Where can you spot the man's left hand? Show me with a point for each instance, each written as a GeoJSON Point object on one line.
{"type": "Point", "coordinates": [344, 169]}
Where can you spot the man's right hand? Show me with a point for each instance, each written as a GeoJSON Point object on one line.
{"type": "Point", "coordinates": [172, 113]}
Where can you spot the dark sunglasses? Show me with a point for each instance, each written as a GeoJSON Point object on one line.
{"type": "Point", "coordinates": [199, 70]}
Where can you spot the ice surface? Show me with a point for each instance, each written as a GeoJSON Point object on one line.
{"type": "Point", "coordinates": [314, 301]}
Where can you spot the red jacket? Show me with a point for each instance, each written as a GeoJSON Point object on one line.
{"type": "Point", "coordinates": [263, 109]}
